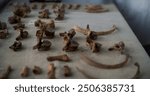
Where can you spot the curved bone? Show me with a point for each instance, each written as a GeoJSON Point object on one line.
{"type": "Point", "coordinates": [87, 31]}
{"type": "Point", "coordinates": [81, 30]}
{"type": "Point", "coordinates": [104, 66]}
{"type": "Point", "coordinates": [85, 74]}
{"type": "Point", "coordinates": [137, 75]}
{"type": "Point", "coordinates": [95, 9]}
{"type": "Point", "coordinates": [106, 32]}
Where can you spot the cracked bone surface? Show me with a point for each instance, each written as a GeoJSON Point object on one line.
{"type": "Point", "coordinates": [44, 14]}
{"type": "Point", "coordinates": [71, 33]}
{"type": "Point", "coordinates": [42, 45]}
{"type": "Point", "coordinates": [37, 70]}
{"type": "Point", "coordinates": [22, 10]}
{"type": "Point", "coordinates": [51, 71]}
{"type": "Point", "coordinates": [19, 26]}
{"type": "Point", "coordinates": [14, 19]}
{"type": "Point", "coordinates": [93, 34]}
{"type": "Point", "coordinates": [70, 44]}
{"type": "Point", "coordinates": [63, 57]}
{"type": "Point", "coordinates": [6, 73]}
{"type": "Point", "coordinates": [59, 12]}
{"type": "Point", "coordinates": [93, 63]}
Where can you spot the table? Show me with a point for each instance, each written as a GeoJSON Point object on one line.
{"type": "Point", "coordinates": [97, 22]}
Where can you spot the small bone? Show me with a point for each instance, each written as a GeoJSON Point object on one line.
{"type": "Point", "coordinates": [70, 44]}
{"type": "Point", "coordinates": [16, 46]}
{"type": "Point", "coordinates": [14, 19]}
{"type": "Point", "coordinates": [38, 23]}
{"type": "Point", "coordinates": [69, 6]}
{"type": "Point", "coordinates": [94, 46]}
{"type": "Point", "coordinates": [37, 70]}
{"type": "Point", "coordinates": [6, 74]}
{"type": "Point", "coordinates": [50, 24]}
{"type": "Point", "coordinates": [24, 72]}
{"type": "Point", "coordinates": [63, 57]}
{"type": "Point", "coordinates": [120, 46]}
{"type": "Point", "coordinates": [67, 71]}
{"type": "Point", "coordinates": [23, 34]}
{"type": "Point", "coordinates": [51, 71]}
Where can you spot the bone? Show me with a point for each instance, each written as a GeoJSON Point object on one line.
{"type": "Point", "coordinates": [37, 70]}
{"type": "Point", "coordinates": [6, 73]}
{"type": "Point", "coordinates": [93, 63]}
{"type": "Point", "coordinates": [120, 46]}
{"type": "Point", "coordinates": [63, 57]}
{"type": "Point", "coordinates": [137, 75]}
{"type": "Point", "coordinates": [67, 71]}
{"type": "Point", "coordinates": [24, 72]}
{"type": "Point", "coordinates": [51, 71]}
{"type": "Point", "coordinates": [95, 9]}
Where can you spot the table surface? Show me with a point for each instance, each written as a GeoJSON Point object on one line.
{"type": "Point", "coordinates": [97, 22]}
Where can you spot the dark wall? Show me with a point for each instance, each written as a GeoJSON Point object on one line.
{"type": "Point", "coordinates": [137, 13]}
{"type": "Point", "coordinates": [3, 3]}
